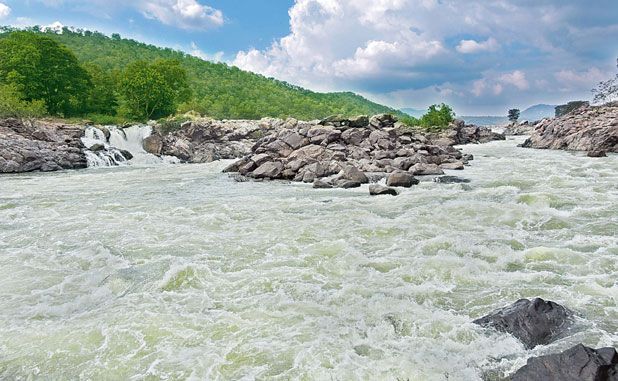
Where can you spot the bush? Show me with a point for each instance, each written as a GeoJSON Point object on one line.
{"type": "Point", "coordinates": [12, 104]}
{"type": "Point", "coordinates": [438, 117]}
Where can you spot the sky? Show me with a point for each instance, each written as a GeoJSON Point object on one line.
{"type": "Point", "coordinates": [483, 57]}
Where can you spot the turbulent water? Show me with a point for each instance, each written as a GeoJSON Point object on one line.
{"type": "Point", "coordinates": [179, 272]}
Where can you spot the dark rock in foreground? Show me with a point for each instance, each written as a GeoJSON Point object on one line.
{"type": "Point", "coordinates": [597, 153]}
{"type": "Point", "coordinates": [587, 128]}
{"type": "Point", "coordinates": [579, 363]}
{"type": "Point", "coordinates": [533, 322]}
{"type": "Point", "coordinates": [450, 180]}
{"type": "Point", "coordinates": [42, 146]}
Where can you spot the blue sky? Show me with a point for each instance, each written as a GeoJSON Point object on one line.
{"type": "Point", "coordinates": [481, 56]}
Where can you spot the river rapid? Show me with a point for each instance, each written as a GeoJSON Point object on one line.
{"type": "Point", "coordinates": [174, 272]}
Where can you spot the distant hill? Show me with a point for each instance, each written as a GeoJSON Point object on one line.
{"type": "Point", "coordinates": [485, 120]}
{"type": "Point", "coordinates": [414, 112]}
{"type": "Point", "coordinates": [220, 91]}
{"type": "Point", "coordinates": [538, 112]}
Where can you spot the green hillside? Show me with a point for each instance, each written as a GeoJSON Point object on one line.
{"type": "Point", "coordinates": [219, 90]}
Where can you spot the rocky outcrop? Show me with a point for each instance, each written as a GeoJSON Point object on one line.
{"type": "Point", "coordinates": [518, 129]}
{"type": "Point", "coordinates": [41, 146]}
{"type": "Point", "coordinates": [380, 190]}
{"type": "Point", "coordinates": [587, 128]}
{"type": "Point", "coordinates": [460, 133]}
{"type": "Point", "coordinates": [205, 140]}
{"type": "Point", "coordinates": [341, 152]}
{"type": "Point", "coordinates": [533, 322]}
{"type": "Point", "coordinates": [579, 363]}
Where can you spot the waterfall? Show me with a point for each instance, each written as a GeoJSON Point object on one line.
{"type": "Point", "coordinates": [123, 147]}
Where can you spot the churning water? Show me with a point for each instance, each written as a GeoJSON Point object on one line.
{"type": "Point", "coordinates": [179, 272]}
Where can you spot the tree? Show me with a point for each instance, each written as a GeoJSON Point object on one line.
{"type": "Point", "coordinates": [567, 108]}
{"type": "Point", "coordinates": [438, 116]}
{"type": "Point", "coordinates": [514, 115]}
{"type": "Point", "coordinates": [154, 90]}
{"type": "Point", "coordinates": [44, 70]}
{"type": "Point", "coordinates": [101, 97]}
{"type": "Point", "coordinates": [12, 104]}
{"type": "Point", "coordinates": [606, 91]}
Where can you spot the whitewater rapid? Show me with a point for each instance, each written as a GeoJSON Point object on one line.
{"type": "Point", "coordinates": [179, 272]}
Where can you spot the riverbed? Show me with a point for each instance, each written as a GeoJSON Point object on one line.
{"type": "Point", "coordinates": [174, 272]}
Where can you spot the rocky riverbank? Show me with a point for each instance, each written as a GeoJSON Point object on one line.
{"type": "Point", "coordinates": [589, 128]}
{"type": "Point", "coordinates": [346, 153]}
{"type": "Point", "coordinates": [41, 146]}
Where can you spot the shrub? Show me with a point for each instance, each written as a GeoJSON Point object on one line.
{"type": "Point", "coordinates": [12, 104]}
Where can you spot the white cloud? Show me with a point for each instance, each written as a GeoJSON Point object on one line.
{"type": "Point", "coordinates": [185, 14]}
{"type": "Point", "coordinates": [5, 11]}
{"type": "Point", "coordinates": [517, 79]}
{"type": "Point", "coordinates": [472, 46]}
{"type": "Point", "coordinates": [586, 79]}
{"type": "Point", "coordinates": [197, 52]}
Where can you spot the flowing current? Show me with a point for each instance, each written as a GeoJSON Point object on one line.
{"type": "Point", "coordinates": [179, 272]}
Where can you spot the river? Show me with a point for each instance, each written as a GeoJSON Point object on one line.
{"type": "Point", "coordinates": [174, 272]}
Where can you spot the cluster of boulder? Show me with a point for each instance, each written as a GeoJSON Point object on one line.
{"type": "Point", "coordinates": [44, 146]}
{"type": "Point", "coordinates": [539, 322]}
{"type": "Point", "coordinates": [345, 153]}
{"type": "Point", "coordinates": [589, 128]}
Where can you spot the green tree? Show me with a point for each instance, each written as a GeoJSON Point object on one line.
{"type": "Point", "coordinates": [513, 115]}
{"type": "Point", "coordinates": [12, 104]}
{"type": "Point", "coordinates": [101, 97]}
{"type": "Point", "coordinates": [154, 90]}
{"type": "Point", "coordinates": [43, 70]}
{"type": "Point", "coordinates": [439, 116]}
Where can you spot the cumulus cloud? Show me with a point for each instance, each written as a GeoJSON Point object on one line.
{"type": "Point", "coordinates": [5, 11]}
{"type": "Point", "coordinates": [185, 14]}
{"type": "Point", "coordinates": [517, 79]}
{"type": "Point", "coordinates": [197, 52]}
{"type": "Point", "coordinates": [472, 46]}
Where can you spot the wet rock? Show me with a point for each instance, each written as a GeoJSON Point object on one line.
{"type": "Point", "coordinates": [457, 165]}
{"type": "Point", "coordinates": [347, 184]}
{"type": "Point", "coordinates": [579, 363]}
{"type": "Point", "coordinates": [97, 147]}
{"type": "Point", "coordinates": [401, 179]}
{"type": "Point", "coordinates": [379, 190]}
{"type": "Point", "coordinates": [450, 180]}
{"type": "Point", "coordinates": [319, 184]}
{"type": "Point", "coordinates": [533, 322]}
{"type": "Point", "coordinates": [126, 154]}
{"type": "Point", "coordinates": [153, 144]}
{"type": "Point", "coordinates": [597, 153]}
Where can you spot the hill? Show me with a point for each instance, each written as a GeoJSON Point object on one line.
{"type": "Point", "coordinates": [220, 91]}
{"type": "Point", "coordinates": [416, 113]}
{"type": "Point", "coordinates": [538, 112]}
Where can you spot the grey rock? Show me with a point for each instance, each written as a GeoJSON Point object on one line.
{"type": "Point", "coordinates": [379, 190]}
{"type": "Point", "coordinates": [422, 169]}
{"type": "Point", "coordinates": [597, 153]}
{"type": "Point", "coordinates": [457, 165]}
{"type": "Point", "coordinates": [352, 173]}
{"type": "Point", "coordinates": [579, 363]}
{"type": "Point", "coordinates": [319, 184]}
{"type": "Point", "coordinates": [401, 179]}
{"type": "Point", "coordinates": [268, 170]}
{"type": "Point", "coordinates": [450, 180]}
{"type": "Point", "coordinates": [153, 144]}
{"type": "Point", "coordinates": [533, 322]}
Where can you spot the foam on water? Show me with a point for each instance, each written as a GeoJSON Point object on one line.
{"type": "Point", "coordinates": [178, 272]}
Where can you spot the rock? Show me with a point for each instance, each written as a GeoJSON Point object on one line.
{"type": "Point", "coordinates": [347, 184]}
{"type": "Point", "coordinates": [401, 179]}
{"type": "Point", "coordinates": [234, 167]}
{"type": "Point", "coordinates": [535, 322]}
{"type": "Point", "coordinates": [261, 159]}
{"type": "Point", "coordinates": [319, 184]}
{"type": "Point", "coordinates": [126, 154]}
{"type": "Point", "coordinates": [360, 121]}
{"type": "Point", "coordinates": [97, 147]}
{"type": "Point", "coordinates": [268, 170]}
{"type": "Point", "coordinates": [586, 128]}
{"type": "Point", "coordinates": [450, 180]}
{"type": "Point", "coordinates": [153, 144]}
{"type": "Point", "coordinates": [579, 363]}
{"type": "Point", "coordinates": [457, 165]}
{"type": "Point", "coordinates": [422, 169]}
{"type": "Point", "coordinates": [352, 173]}
{"type": "Point", "coordinates": [597, 153]}
{"type": "Point", "coordinates": [379, 190]}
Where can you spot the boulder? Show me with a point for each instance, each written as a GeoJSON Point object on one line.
{"type": "Point", "coordinates": [422, 169]}
{"type": "Point", "coordinates": [347, 184]}
{"type": "Point", "coordinates": [153, 144]}
{"type": "Point", "coordinates": [401, 179]}
{"type": "Point", "coordinates": [450, 180]}
{"type": "Point", "coordinates": [268, 170]}
{"type": "Point", "coordinates": [533, 322]}
{"type": "Point", "coordinates": [360, 121]}
{"type": "Point", "coordinates": [379, 190]}
{"type": "Point", "coordinates": [352, 173]}
{"type": "Point", "coordinates": [457, 165]}
{"type": "Point", "coordinates": [579, 363]}
{"type": "Point", "coordinates": [319, 184]}
{"type": "Point", "coordinates": [597, 153]}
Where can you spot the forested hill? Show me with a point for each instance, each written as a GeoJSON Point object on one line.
{"type": "Point", "coordinates": [219, 90]}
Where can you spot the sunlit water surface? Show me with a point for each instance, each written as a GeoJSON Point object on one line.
{"type": "Point", "coordinates": [179, 272]}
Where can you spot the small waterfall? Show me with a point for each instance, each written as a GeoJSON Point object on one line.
{"type": "Point", "coordinates": [123, 147]}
